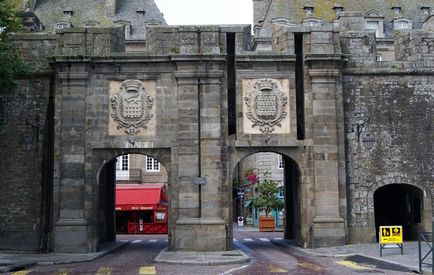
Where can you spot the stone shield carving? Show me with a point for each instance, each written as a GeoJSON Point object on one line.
{"type": "Point", "coordinates": [266, 105]}
{"type": "Point", "coordinates": [132, 107]}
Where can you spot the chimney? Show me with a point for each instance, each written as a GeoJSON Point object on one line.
{"type": "Point", "coordinates": [110, 8]}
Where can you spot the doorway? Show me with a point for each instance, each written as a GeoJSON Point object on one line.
{"type": "Point", "coordinates": [399, 204]}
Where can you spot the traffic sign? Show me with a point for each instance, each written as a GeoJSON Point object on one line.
{"type": "Point", "coordinates": [391, 234]}
{"type": "Point", "coordinates": [391, 237]}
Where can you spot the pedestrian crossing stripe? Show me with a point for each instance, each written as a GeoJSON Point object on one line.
{"type": "Point", "coordinates": [352, 265]}
{"type": "Point", "coordinates": [147, 270]}
{"type": "Point", "coordinates": [278, 238]}
{"type": "Point", "coordinates": [104, 271]}
{"type": "Point", "coordinates": [264, 239]}
{"type": "Point", "coordinates": [235, 240]}
{"type": "Point", "coordinates": [248, 239]}
{"type": "Point", "coordinates": [137, 241]}
{"type": "Point", "coordinates": [22, 272]}
{"type": "Point", "coordinates": [152, 241]}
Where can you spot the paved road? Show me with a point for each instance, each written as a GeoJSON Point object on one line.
{"type": "Point", "coordinates": [137, 258]}
{"type": "Point", "coordinates": [272, 259]}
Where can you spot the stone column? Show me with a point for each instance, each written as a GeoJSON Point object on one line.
{"type": "Point", "coordinates": [71, 228]}
{"type": "Point", "coordinates": [328, 225]}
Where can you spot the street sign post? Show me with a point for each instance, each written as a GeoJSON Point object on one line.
{"type": "Point", "coordinates": [390, 237]}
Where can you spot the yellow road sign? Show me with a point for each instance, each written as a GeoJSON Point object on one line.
{"type": "Point", "coordinates": [391, 234]}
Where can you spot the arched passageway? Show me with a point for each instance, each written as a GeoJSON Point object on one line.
{"type": "Point", "coordinates": [276, 167]}
{"type": "Point", "coordinates": [399, 204]}
{"type": "Point", "coordinates": [132, 197]}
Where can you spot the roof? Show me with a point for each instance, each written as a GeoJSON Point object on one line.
{"type": "Point", "coordinates": [140, 195]}
{"type": "Point", "coordinates": [51, 12]}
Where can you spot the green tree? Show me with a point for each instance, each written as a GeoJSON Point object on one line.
{"type": "Point", "coordinates": [10, 62]}
{"type": "Point", "coordinates": [267, 199]}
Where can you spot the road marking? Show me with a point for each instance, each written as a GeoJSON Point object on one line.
{"type": "Point", "coordinates": [229, 272]}
{"type": "Point", "coordinates": [104, 271]}
{"type": "Point", "coordinates": [136, 241]}
{"type": "Point", "coordinates": [352, 265]}
{"type": "Point", "coordinates": [235, 240]}
{"type": "Point", "coordinates": [248, 239]}
{"type": "Point", "coordinates": [22, 272]}
{"type": "Point", "coordinates": [275, 269]}
{"type": "Point", "coordinates": [147, 270]}
{"type": "Point", "coordinates": [62, 271]}
{"type": "Point", "coordinates": [166, 240]}
{"type": "Point", "coordinates": [153, 241]}
{"type": "Point", "coordinates": [312, 266]}
{"type": "Point", "coordinates": [264, 239]}
{"type": "Point", "coordinates": [278, 238]}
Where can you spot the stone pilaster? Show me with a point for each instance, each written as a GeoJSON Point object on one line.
{"type": "Point", "coordinates": [201, 225]}
{"type": "Point", "coordinates": [71, 228]}
{"type": "Point", "coordinates": [328, 225]}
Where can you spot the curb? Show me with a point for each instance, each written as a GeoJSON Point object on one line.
{"type": "Point", "coordinates": [212, 261]}
{"type": "Point", "coordinates": [57, 259]}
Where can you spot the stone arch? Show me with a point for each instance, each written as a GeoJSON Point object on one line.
{"type": "Point", "coordinates": [293, 186]}
{"type": "Point", "coordinates": [102, 158]}
{"type": "Point", "coordinates": [400, 180]}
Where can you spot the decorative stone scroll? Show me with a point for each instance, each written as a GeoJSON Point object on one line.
{"type": "Point", "coordinates": [266, 105]}
{"type": "Point", "coordinates": [131, 107]}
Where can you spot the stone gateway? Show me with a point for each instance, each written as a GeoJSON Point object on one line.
{"type": "Point", "coordinates": [345, 97]}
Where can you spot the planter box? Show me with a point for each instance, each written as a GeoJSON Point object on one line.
{"type": "Point", "coordinates": [266, 224]}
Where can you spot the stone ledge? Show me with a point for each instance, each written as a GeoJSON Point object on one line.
{"type": "Point", "coordinates": [202, 258]}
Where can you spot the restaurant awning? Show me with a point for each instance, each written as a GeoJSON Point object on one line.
{"type": "Point", "coordinates": [140, 196]}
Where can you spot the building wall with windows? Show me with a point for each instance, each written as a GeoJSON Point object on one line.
{"type": "Point", "coordinates": [135, 168]}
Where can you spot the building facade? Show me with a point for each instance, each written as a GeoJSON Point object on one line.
{"type": "Point", "coordinates": [344, 96]}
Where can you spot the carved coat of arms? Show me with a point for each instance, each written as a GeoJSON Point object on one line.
{"type": "Point", "coordinates": [266, 105]}
{"type": "Point", "coordinates": [131, 107]}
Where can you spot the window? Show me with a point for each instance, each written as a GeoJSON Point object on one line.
{"type": "Point", "coordinates": [396, 10]}
{"type": "Point", "coordinates": [68, 13]}
{"type": "Point", "coordinates": [62, 25]}
{"type": "Point", "coordinates": [280, 164]}
{"type": "Point", "coordinates": [373, 25]}
{"type": "Point", "coordinates": [425, 10]}
{"type": "Point", "coordinates": [308, 10]}
{"type": "Point", "coordinates": [152, 165]}
{"type": "Point", "coordinates": [402, 24]}
{"type": "Point", "coordinates": [312, 22]}
{"type": "Point", "coordinates": [122, 162]}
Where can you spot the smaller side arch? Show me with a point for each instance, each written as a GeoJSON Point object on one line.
{"type": "Point", "coordinates": [400, 181]}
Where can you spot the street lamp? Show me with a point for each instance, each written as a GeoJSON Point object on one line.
{"type": "Point", "coordinates": [368, 141]}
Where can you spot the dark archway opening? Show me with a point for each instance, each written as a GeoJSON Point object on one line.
{"type": "Point", "coordinates": [399, 204]}
{"type": "Point", "coordinates": [276, 167]}
{"type": "Point", "coordinates": [132, 197]}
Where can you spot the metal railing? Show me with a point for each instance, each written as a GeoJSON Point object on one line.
{"type": "Point", "coordinates": [131, 174]}
{"type": "Point", "coordinates": [425, 238]}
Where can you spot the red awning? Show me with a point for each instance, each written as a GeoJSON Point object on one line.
{"type": "Point", "coordinates": [140, 196]}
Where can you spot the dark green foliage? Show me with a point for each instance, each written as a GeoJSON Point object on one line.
{"type": "Point", "coordinates": [10, 62]}
{"type": "Point", "coordinates": [267, 199]}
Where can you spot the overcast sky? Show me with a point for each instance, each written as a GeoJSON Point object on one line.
{"type": "Point", "coordinates": [202, 12]}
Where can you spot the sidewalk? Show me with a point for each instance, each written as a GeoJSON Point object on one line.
{"type": "Point", "coordinates": [16, 261]}
{"type": "Point", "coordinates": [410, 258]}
